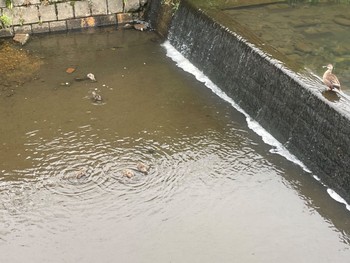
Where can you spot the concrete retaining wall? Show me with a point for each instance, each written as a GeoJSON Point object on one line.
{"type": "Point", "coordinates": [40, 16]}
{"type": "Point", "coordinates": [307, 124]}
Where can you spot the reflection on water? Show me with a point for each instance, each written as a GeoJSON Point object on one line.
{"type": "Point", "coordinates": [214, 192]}
{"type": "Point", "coordinates": [311, 35]}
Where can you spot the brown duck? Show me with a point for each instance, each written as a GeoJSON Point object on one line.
{"type": "Point", "coordinates": [143, 168]}
{"type": "Point", "coordinates": [330, 79]}
{"type": "Point", "coordinates": [128, 173]}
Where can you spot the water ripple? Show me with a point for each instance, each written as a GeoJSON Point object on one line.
{"type": "Point", "coordinates": [79, 171]}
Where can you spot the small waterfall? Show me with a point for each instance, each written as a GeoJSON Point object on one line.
{"type": "Point", "coordinates": [296, 114]}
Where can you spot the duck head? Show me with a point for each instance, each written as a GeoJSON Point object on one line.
{"type": "Point", "coordinates": [329, 66]}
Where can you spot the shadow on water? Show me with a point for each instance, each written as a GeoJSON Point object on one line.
{"type": "Point", "coordinates": [214, 190]}
{"type": "Point", "coordinates": [331, 95]}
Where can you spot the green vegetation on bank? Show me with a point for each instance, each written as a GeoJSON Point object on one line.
{"type": "Point", "coordinates": [5, 21]}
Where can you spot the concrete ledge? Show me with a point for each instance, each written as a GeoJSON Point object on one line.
{"type": "Point", "coordinates": [106, 20]}
{"type": "Point", "coordinates": [6, 32]}
{"type": "Point", "coordinates": [124, 18]}
{"type": "Point", "coordinates": [23, 29]}
{"type": "Point", "coordinates": [58, 26]}
{"type": "Point", "coordinates": [81, 23]}
{"type": "Point", "coordinates": [92, 21]}
{"type": "Point", "coordinates": [41, 28]}
{"type": "Point", "coordinates": [307, 124]}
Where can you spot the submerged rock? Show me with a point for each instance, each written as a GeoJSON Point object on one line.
{"type": "Point", "coordinates": [304, 47]}
{"type": "Point", "coordinates": [342, 21]}
{"type": "Point", "coordinates": [21, 38]}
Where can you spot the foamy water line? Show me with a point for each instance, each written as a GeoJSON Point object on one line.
{"type": "Point", "coordinates": [278, 148]}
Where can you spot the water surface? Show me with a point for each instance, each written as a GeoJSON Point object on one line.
{"type": "Point", "coordinates": [214, 193]}
{"type": "Point", "coordinates": [312, 35]}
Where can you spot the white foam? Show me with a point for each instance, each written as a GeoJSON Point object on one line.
{"type": "Point", "coordinates": [187, 66]}
{"type": "Point", "coordinates": [338, 198]}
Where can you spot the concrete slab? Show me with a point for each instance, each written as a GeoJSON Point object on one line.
{"type": "Point", "coordinates": [98, 7]}
{"type": "Point", "coordinates": [64, 11]}
{"type": "Point", "coordinates": [6, 32]}
{"type": "Point", "coordinates": [115, 6]}
{"type": "Point", "coordinates": [78, 23]}
{"type": "Point", "coordinates": [131, 5]}
{"type": "Point", "coordinates": [18, 2]}
{"type": "Point", "coordinates": [23, 15]}
{"type": "Point", "coordinates": [106, 20]}
{"type": "Point", "coordinates": [58, 26]}
{"type": "Point", "coordinates": [82, 9]}
{"type": "Point", "coordinates": [41, 28]}
{"type": "Point", "coordinates": [74, 23]}
{"type": "Point", "coordinates": [124, 18]}
{"type": "Point", "coordinates": [24, 2]}
{"type": "Point", "coordinates": [23, 29]}
{"type": "Point", "coordinates": [30, 14]}
{"type": "Point", "coordinates": [143, 2]}
{"type": "Point", "coordinates": [87, 22]}
{"type": "Point", "coordinates": [2, 4]}
{"type": "Point", "coordinates": [47, 13]}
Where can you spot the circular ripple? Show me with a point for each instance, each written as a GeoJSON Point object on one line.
{"type": "Point", "coordinates": [78, 172]}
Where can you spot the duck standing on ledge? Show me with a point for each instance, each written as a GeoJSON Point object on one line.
{"type": "Point", "coordinates": [330, 79]}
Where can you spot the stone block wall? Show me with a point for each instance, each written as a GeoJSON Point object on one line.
{"type": "Point", "coordinates": [40, 16]}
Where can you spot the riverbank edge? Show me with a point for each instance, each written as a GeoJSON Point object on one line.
{"type": "Point", "coordinates": [34, 17]}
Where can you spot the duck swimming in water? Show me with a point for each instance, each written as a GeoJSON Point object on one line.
{"type": "Point", "coordinates": [91, 76]}
{"type": "Point", "coordinates": [143, 168]}
{"type": "Point", "coordinates": [96, 97]}
{"type": "Point", "coordinates": [330, 79]}
{"type": "Point", "coordinates": [128, 173]}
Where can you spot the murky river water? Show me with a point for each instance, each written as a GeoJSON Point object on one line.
{"type": "Point", "coordinates": [312, 35]}
{"type": "Point", "coordinates": [214, 192]}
